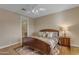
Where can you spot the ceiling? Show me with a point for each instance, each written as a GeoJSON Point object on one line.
{"type": "Point", "coordinates": [37, 10]}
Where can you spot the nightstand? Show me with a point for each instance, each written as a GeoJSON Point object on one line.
{"type": "Point", "coordinates": [64, 41]}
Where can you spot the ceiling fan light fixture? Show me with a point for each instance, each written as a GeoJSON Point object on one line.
{"type": "Point", "coordinates": [42, 9]}
{"type": "Point", "coordinates": [35, 11]}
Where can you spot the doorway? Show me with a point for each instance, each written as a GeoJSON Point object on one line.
{"type": "Point", "coordinates": [24, 28]}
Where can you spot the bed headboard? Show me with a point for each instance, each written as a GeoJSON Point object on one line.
{"type": "Point", "coordinates": [49, 30]}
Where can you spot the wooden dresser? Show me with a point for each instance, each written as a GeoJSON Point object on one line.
{"type": "Point", "coordinates": [64, 41]}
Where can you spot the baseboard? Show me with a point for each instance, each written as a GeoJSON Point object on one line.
{"type": "Point", "coordinates": [8, 45]}
{"type": "Point", "coordinates": [74, 45]}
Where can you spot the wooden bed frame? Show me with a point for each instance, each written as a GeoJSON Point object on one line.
{"type": "Point", "coordinates": [38, 45]}
{"type": "Point", "coordinates": [49, 30]}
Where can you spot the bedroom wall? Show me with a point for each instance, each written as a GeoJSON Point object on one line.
{"type": "Point", "coordinates": [10, 28]}
{"type": "Point", "coordinates": [68, 18]}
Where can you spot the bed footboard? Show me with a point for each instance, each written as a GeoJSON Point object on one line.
{"type": "Point", "coordinates": [36, 44]}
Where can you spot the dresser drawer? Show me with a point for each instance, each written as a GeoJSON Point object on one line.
{"type": "Point", "coordinates": [64, 41]}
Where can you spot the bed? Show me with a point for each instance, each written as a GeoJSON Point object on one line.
{"type": "Point", "coordinates": [43, 43]}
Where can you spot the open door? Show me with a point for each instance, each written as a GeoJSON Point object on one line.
{"type": "Point", "coordinates": [24, 28]}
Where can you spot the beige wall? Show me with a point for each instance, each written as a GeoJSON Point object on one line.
{"type": "Point", "coordinates": [68, 18]}
{"type": "Point", "coordinates": [10, 28]}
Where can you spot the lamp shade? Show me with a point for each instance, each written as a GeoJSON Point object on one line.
{"type": "Point", "coordinates": [64, 31]}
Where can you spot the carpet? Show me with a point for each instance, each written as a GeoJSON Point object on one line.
{"type": "Point", "coordinates": [26, 51]}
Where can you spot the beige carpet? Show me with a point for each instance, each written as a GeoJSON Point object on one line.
{"type": "Point", "coordinates": [26, 51]}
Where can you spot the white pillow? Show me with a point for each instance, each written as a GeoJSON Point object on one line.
{"type": "Point", "coordinates": [49, 34]}
{"type": "Point", "coordinates": [52, 34]}
{"type": "Point", "coordinates": [42, 34]}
